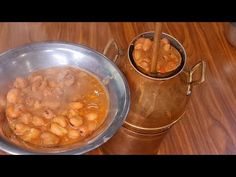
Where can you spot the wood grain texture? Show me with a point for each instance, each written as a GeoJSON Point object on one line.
{"type": "Point", "coordinates": [209, 125]}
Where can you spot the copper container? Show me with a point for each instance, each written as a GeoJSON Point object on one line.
{"type": "Point", "coordinates": [156, 103]}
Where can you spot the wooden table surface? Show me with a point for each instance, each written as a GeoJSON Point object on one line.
{"type": "Point", "coordinates": [209, 125]}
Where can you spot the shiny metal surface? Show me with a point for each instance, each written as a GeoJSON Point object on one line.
{"type": "Point", "coordinates": [157, 103]}
{"type": "Point", "coordinates": [26, 59]}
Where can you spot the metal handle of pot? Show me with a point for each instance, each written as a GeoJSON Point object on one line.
{"type": "Point", "coordinates": [112, 43]}
{"type": "Point", "coordinates": [200, 65]}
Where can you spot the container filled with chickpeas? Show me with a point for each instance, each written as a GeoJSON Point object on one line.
{"type": "Point", "coordinates": [169, 61]}
{"type": "Point", "coordinates": [49, 107]}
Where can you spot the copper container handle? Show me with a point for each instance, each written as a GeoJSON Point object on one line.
{"type": "Point", "coordinates": [112, 43]}
{"type": "Point", "coordinates": [200, 65]}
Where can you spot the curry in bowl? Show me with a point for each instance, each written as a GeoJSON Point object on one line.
{"type": "Point", "coordinates": [55, 106]}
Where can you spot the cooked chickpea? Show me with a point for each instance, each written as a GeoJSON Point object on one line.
{"type": "Point", "coordinates": [58, 130]}
{"type": "Point", "coordinates": [165, 57]}
{"type": "Point", "coordinates": [64, 113]}
{"type": "Point", "coordinates": [69, 80]}
{"type": "Point", "coordinates": [21, 129]}
{"type": "Point", "coordinates": [13, 96]}
{"type": "Point", "coordinates": [39, 84]}
{"type": "Point", "coordinates": [140, 42]}
{"type": "Point", "coordinates": [91, 116]}
{"type": "Point", "coordinates": [53, 84]}
{"type": "Point", "coordinates": [76, 121]}
{"type": "Point", "coordinates": [165, 41]}
{"type": "Point", "coordinates": [158, 68]}
{"type": "Point", "coordinates": [67, 77]}
{"type": "Point", "coordinates": [20, 83]}
{"type": "Point", "coordinates": [76, 105]}
{"type": "Point", "coordinates": [137, 55]}
{"type": "Point", "coordinates": [43, 85]}
{"type": "Point", "coordinates": [61, 120]}
{"type": "Point", "coordinates": [73, 134]}
{"type": "Point", "coordinates": [37, 121]}
{"type": "Point", "coordinates": [48, 114]}
{"type": "Point", "coordinates": [37, 78]}
{"type": "Point", "coordinates": [145, 66]}
{"type": "Point", "coordinates": [33, 133]}
{"type": "Point", "coordinates": [29, 101]}
{"type": "Point", "coordinates": [14, 111]}
{"type": "Point", "coordinates": [20, 108]}
{"type": "Point", "coordinates": [92, 126]}
{"type": "Point", "coordinates": [166, 47]}
{"type": "Point", "coordinates": [147, 44]}
{"type": "Point", "coordinates": [138, 46]}
{"type": "Point", "coordinates": [58, 92]}
{"type": "Point", "coordinates": [36, 82]}
{"type": "Point", "coordinates": [148, 60]}
{"type": "Point", "coordinates": [173, 56]}
{"type": "Point", "coordinates": [83, 130]}
{"type": "Point", "coordinates": [170, 65]}
{"type": "Point", "coordinates": [10, 112]}
{"type": "Point", "coordinates": [25, 118]}
{"type": "Point", "coordinates": [37, 104]}
{"type": "Point", "coordinates": [72, 113]}
{"type": "Point", "coordinates": [49, 139]}
{"type": "Point", "coordinates": [34, 87]}
{"type": "Point", "coordinates": [47, 92]}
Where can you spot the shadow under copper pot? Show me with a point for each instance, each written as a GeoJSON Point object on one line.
{"type": "Point", "coordinates": [157, 103]}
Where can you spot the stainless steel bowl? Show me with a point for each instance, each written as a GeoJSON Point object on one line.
{"type": "Point", "coordinates": [29, 58]}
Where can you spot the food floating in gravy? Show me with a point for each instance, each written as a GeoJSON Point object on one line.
{"type": "Point", "coordinates": [168, 59]}
{"type": "Point", "coordinates": [56, 106]}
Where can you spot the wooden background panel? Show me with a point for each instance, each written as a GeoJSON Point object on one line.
{"type": "Point", "coordinates": [94, 35]}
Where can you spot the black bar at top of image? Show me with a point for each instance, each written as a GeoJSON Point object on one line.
{"type": "Point", "coordinates": [164, 10]}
